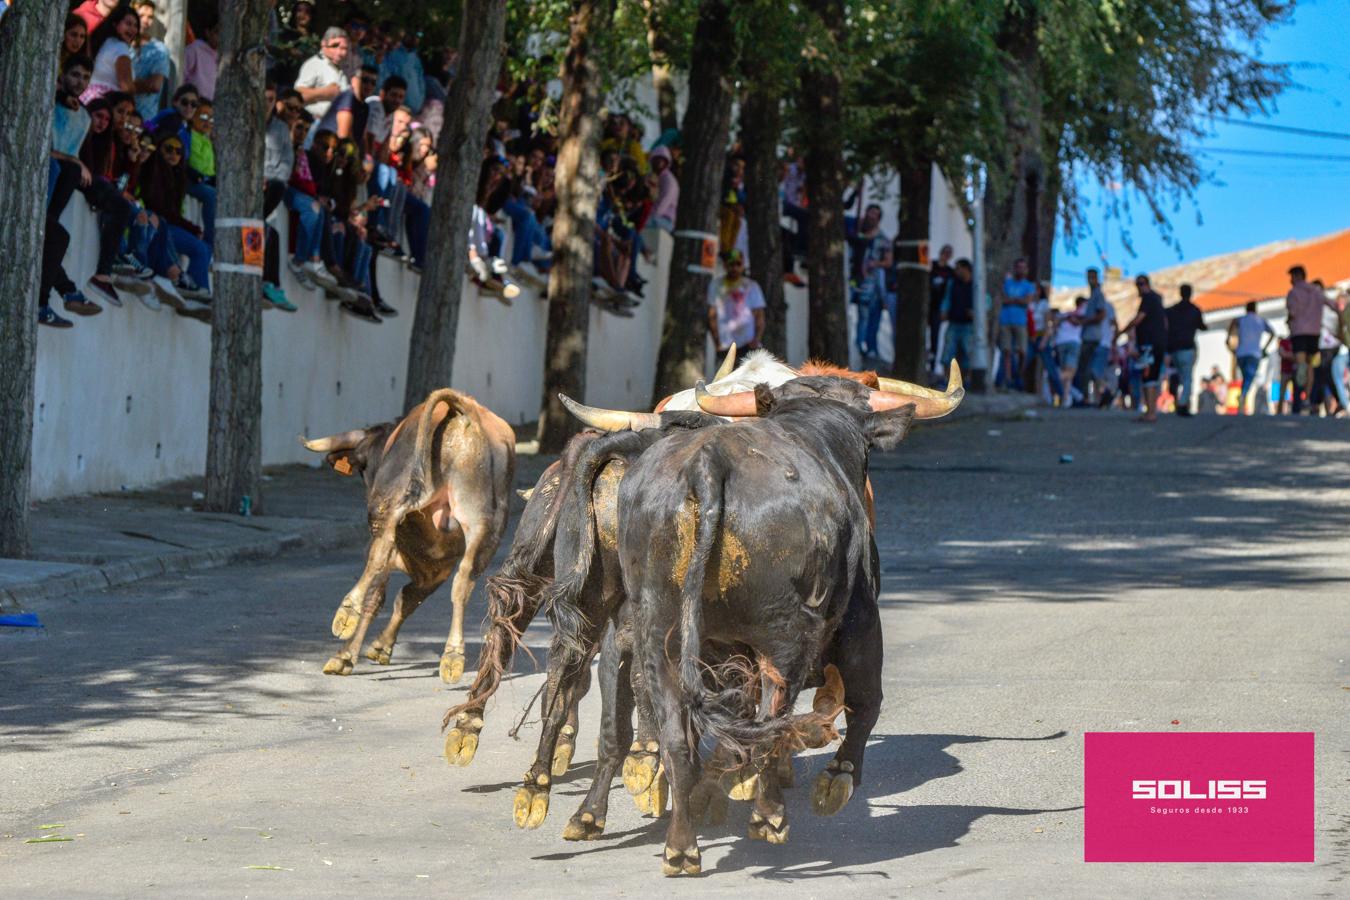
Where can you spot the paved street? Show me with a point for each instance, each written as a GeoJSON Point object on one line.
{"type": "Point", "coordinates": [1189, 576]}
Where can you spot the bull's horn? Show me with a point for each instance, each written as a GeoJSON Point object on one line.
{"type": "Point", "coordinates": [929, 403]}
{"type": "Point", "coordinates": [741, 404]}
{"type": "Point", "coordinates": [344, 441]}
{"type": "Point", "coordinates": [610, 419]}
{"type": "Point", "coordinates": [727, 364]}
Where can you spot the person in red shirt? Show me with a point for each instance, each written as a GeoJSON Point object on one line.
{"type": "Point", "coordinates": [94, 12]}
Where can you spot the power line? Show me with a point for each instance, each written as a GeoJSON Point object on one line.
{"type": "Point", "coordinates": [1286, 129]}
{"type": "Point", "coordinates": [1277, 154]}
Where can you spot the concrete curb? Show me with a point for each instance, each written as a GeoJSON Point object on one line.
{"type": "Point", "coordinates": [115, 574]}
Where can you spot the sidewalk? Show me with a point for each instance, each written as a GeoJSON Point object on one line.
{"type": "Point", "coordinates": [106, 540]}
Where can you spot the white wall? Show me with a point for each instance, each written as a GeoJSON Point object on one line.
{"type": "Point", "coordinates": [121, 398]}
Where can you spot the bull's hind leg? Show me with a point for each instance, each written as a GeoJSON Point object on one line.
{"type": "Point", "coordinates": [409, 598]}
{"type": "Point", "coordinates": [616, 730]}
{"type": "Point", "coordinates": [371, 588]}
{"type": "Point", "coordinates": [569, 676]}
{"type": "Point", "coordinates": [478, 550]}
{"type": "Point", "coordinates": [768, 819]}
{"type": "Point", "coordinates": [856, 651]}
{"type": "Point", "coordinates": [644, 775]}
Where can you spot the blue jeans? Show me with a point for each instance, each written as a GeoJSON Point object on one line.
{"type": "Point", "coordinates": [417, 219]}
{"type": "Point", "coordinates": [1339, 363]}
{"type": "Point", "coordinates": [385, 183]}
{"type": "Point", "coordinates": [310, 213]}
{"type": "Point", "coordinates": [875, 299]}
{"type": "Point", "coordinates": [1046, 354]}
{"type": "Point", "coordinates": [1248, 365]}
{"type": "Point", "coordinates": [960, 342]}
{"type": "Point", "coordinates": [526, 231]}
{"type": "Point", "coordinates": [207, 195]}
{"type": "Point", "coordinates": [1184, 360]}
{"type": "Point", "coordinates": [197, 251]}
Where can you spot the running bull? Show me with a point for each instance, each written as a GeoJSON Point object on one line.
{"type": "Point", "coordinates": [437, 500]}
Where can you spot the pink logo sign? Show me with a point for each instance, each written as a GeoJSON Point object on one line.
{"type": "Point", "coordinates": [1198, 797]}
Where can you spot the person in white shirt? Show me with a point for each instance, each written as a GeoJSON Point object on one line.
{"type": "Point", "coordinates": [1244, 337]}
{"type": "Point", "coordinates": [321, 78]}
{"type": "Point", "coordinates": [735, 307]}
{"type": "Point", "coordinates": [1068, 344]}
{"type": "Point", "coordinates": [110, 45]}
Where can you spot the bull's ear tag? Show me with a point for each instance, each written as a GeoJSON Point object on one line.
{"type": "Point", "coordinates": [343, 465]}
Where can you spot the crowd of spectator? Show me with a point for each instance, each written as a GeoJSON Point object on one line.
{"type": "Point", "coordinates": [354, 112]}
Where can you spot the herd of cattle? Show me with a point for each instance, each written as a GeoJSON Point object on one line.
{"type": "Point", "coordinates": [717, 554]}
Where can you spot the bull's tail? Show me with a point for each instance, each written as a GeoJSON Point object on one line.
{"type": "Point", "coordinates": [421, 478]}
{"type": "Point", "coordinates": [719, 712]}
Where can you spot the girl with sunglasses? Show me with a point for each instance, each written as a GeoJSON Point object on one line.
{"type": "Point", "coordinates": [163, 187]}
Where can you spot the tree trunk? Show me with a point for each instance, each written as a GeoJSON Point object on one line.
{"type": "Point", "coordinates": [707, 122]}
{"type": "Point", "coordinates": [1015, 180]}
{"type": "Point", "coordinates": [1043, 263]}
{"type": "Point", "coordinates": [234, 419]}
{"type": "Point", "coordinates": [29, 35]}
{"type": "Point", "coordinates": [761, 127]}
{"type": "Point", "coordinates": [431, 352]}
{"type": "Point", "coordinates": [823, 137]}
{"type": "Point", "coordinates": [911, 329]}
{"type": "Point", "coordinates": [658, 45]}
{"type": "Point", "coordinates": [578, 180]}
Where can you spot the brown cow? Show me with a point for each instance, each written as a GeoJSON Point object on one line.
{"type": "Point", "coordinates": [437, 497]}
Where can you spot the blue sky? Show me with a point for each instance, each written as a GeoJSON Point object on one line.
{"type": "Point", "coordinates": [1258, 199]}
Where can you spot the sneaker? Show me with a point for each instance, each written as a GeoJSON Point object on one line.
{"type": "Point", "coordinates": [385, 309]}
{"type": "Point", "coordinates": [148, 298]}
{"type": "Point", "coordinates": [190, 289]}
{"type": "Point", "coordinates": [277, 297]}
{"type": "Point", "coordinates": [167, 292]}
{"type": "Point", "coordinates": [319, 274]}
{"type": "Point", "coordinates": [47, 316]}
{"type": "Point", "coordinates": [298, 271]}
{"type": "Point", "coordinates": [129, 265]}
{"type": "Point", "coordinates": [105, 291]}
{"type": "Point", "coordinates": [77, 303]}
{"type": "Point", "coordinates": [362, 311]}
{"type": "Point", "coordinates": [498, 266]}
{"type": "Point", "coordinates": [194, 309]}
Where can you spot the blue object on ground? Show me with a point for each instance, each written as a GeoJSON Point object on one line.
{"type": "Point", "coordinates": [21, 620]}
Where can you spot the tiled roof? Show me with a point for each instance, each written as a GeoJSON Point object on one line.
{"type": "Point", "coordinates": [1232, 279]}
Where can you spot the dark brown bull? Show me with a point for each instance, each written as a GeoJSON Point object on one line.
{"type": "Point", "coordinates": [437, 500]}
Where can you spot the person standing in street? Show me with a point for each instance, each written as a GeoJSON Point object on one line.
{"type": "Point", "coordinates": [1244, 339]}
{"type": "Point", "coordinates": [1092, 360]}
{"type": "Point", "coordinates": [1184, 319]}
{"type": "Point", "coordinates": [736, 308]}
{"type": "Point", "coordinates": [1304, 303]}
{"type": "Point", "coordinates": [1150, 337]}
{"type": "Point", "coordinates": [940, 275]}
{"type": "Point", "coordinates": [1018, 293]}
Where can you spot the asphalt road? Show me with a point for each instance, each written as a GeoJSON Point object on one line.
{"type": "Point", "coordinates": [181, 732]}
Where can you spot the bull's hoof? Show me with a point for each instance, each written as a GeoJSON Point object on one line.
{"type": "Point", "coordinates": [832, 789]}
{"type": "Point", "coordinates": [338, 665]}
{"type": "Point", "coordinates": [815, 735]}
{"type": "Point", "coordinates": [345, 621]}
{"type": "Point", "coordinates": [742, 783]}
{"type": "Point", "coordinates": [379, 653]}
{"type": "Point", "coordinates": [773, 828]}
{"type": "Point", "coordinates": [583, 827]}
{"type": "Point", "coordinates": [461, 742]}
{"type": "Point", "coordinates": [639, 766]}
{"type": "Point", "coordinates": [652, 801]}
{"type": "Point", "coordinates": [563, 750]}
{"type": "Point", "coordinates": [452, 666]}
{"type": "Point", "coordinates": [531, 807]}
{"type": "Point", "coordinates": [682, 862]}
{"type": "Point", "coordinates": [708, 803]}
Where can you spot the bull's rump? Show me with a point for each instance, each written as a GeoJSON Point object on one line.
{"type": "Point", "coordinates": [792, 534]}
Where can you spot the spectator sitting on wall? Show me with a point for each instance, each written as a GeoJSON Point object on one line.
{"type": "Point", "coordinates": [302, 198]}
{"type": "Point", "coordinates": [93, 12]}
{"type": "Point", "coordinates": [114, 212]}
{"type": "Point", "coordinates": [110, 43]}
{"type": "Point", "coordinates": [201, 58]}
{"type": "Point", "coordinates": [666, 189]}
{"type": "Point", "coordinates": [201, 163]}
{"type": "Point", "coordinates": [150, 65]}
{"type": "Point", "coordinates": [148, 237]}
{"type": "Point", "coordinates": [278, 162]}
{"type": "Point", "coordinates": [349, 113]}
{"type": "Point", "coordinates": [321, 78]}
{"type": "Point", "coordinates": [735, 307]}
{"type": "Point", "coordinates": [403, 61]}
{"type": "Point", "coordinates": [163, 187]}
{"type": "Point", "coordinates": [177, 117]}
{"type": "Point", "coordinates": [74, 39]}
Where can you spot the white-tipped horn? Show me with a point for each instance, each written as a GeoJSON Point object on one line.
{"type": "Point", "coordinates": [344, 441]}
{"type": "Point", "coordinates": [727, 364]}
{"type": "Point", "coordinates": [610, 419]}
{"type": "Point", "coordinates": [930, 403]}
